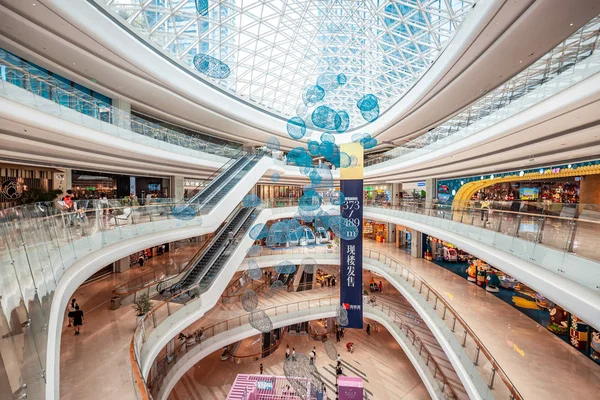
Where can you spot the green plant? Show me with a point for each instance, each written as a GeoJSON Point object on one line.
{"type": "Point", "coordinates": [142, 305]}
{"type": "Point", "coordinates": [38, 195]}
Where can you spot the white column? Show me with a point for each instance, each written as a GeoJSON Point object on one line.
{"type": "Point", "coordinates": [121, 265]}
{"type": "Point", "coordinates": [391, 233]}
{"type": "Point", "coordinates": [123, 118]}
{"type": "Point", "coordinates": [416, 244]}
{"type": "Point", "coordinates": [176, 189]}
{"type": "Point", "coordinates": [430, 189]}
{"type": "Point", "coordinates": [396, 193]}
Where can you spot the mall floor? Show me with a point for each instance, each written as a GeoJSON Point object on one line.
{"type": "Point", "coordinates": [540, 364]}
{"type": "Point", "coordinates": [378, 359]}
{"type": "Point", "coordinates": [96, 365]}
{"type": "Point", "coordinates": [101, 353]}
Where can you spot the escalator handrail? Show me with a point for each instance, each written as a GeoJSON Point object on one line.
{"type": "Point", "coordinates": [161, 286]}
{"type": "Point", "coordinates": [239, 155]}
{"type": "Point", "coordinates": [204, 202]}
{"type": "Point", "coordinates": [211, 263]}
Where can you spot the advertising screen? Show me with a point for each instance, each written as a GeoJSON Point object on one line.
{"type": "Point", "coordinates": [529, 193]}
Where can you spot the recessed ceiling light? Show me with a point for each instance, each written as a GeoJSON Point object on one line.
{"type": "Point", "coordinates": [520, 61]}
{"type": "Point", "coordinates": [73, 63]}
{"type": "Point", "coordinates": [571, 24]}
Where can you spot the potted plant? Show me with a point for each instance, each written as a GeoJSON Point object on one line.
{"type": "Point", "coordinates": [142, 306]}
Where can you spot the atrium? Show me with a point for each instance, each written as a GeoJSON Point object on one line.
{"type": "Point", "coordinates": [299, 199]}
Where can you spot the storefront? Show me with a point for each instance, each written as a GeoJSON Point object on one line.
{"type": "Point", "coordinates": [531, 303]}
{"type": "Point", "coordinates": [92, 185]}
{"type": "Point", "coordinates": [16, 180]}
{"type": "Point", "coordinates": [559, 190]}
{"type": "Point", "coordinates": [272, 192]}
{"type": "Point", "coordinates": [380, 194]}
{"type": "Point", "coordinates": [374, 230]}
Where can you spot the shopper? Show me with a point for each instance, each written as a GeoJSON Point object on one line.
{"type": "Point", "coordinates": [293, 354]}
{"type": "Point", "coordinates": [141, 260]}
{"type": "Point", "coordinates": [315, 351]}
{"type": "Point", "coordinates": [337, 334]}
{"type": "Point", "coordinates": [380, 287]}
{"type": "Point", "coordinates": [333, 281]}
{"type": "Point", "coordinates": [339, 359]}
{"type": "Point", "coordinates": [311, 360]}
{"type": "Point", "coordinates": [71, 310]}
{"type": "Point", "coordinates": [261, 368]}
{"type": "Point", "coordinates": [77, 319]}
{"type": "Point", "coordinates": [287, 351]}
{"type": "Point", "coordinates": [69, 205]}
{"type": "Point", "coordinates": [368, 329]}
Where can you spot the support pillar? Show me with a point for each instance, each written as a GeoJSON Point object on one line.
{"type": "Point", "coordinates": [430, 190]}
{"type": "Point", "coordinates": [396, 194]}
{"type": "Point", "coordinates": [176, 188]}
{"type": "Point", "coordinates": [416, 244]}
{"type": "Point", "coordinates": [121, 265]}
{"type": "Point", "coordinates": [123, 118]}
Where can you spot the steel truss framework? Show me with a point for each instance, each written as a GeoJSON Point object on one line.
{"type": "Point", "coordinates": [276, 48]}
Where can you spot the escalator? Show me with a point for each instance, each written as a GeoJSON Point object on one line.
{"type": "Point", "coordinates": [213, 256]}
{"type": "Point", "coordinates": [211, 273]}
{"type": "Point", "coordinates": [224, 182]}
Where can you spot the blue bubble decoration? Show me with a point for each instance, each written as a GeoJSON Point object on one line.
{"type": "Point", "coordinates": [296, 128]}
{"type": "Point", "coordinates": [313, 94]}
{"type": "Point", "coordinates": [357, 137]}
{"type": "Point", "coordinates": [337, 198]}
{"type": "Point", "coordinates": [327, 137]}
{"type": "Point", "coordinates": [345, 160]}
{"type": "Point", "coordinates": [353, 160]}
{"type": "Point", "coordinates": [341, 79]}
{"type": "Point", "coordinates": [328, 81]}
{"type": "Point", "coordinates": [367, 103]}
{"type": "Point", "coordinates": [322, 220]}
{"type": "Point", "coordinates": [202, 7]}
{"type": "Point", "coordinates": [275, 177]}
{"type": "Point", "coordinates": [326, 118]}
{"type": "Point", "coordinates": [211, 66]}
{"type": "Point", "coordinates": [251, 200]}
{"type": "Point", "coordinates": [300, 157]}
{"type": "Point", "coordinates": [258, 231]}
{"type": "Point", "coordinates": [273, 144]}
{"type": "Point", "coordinates": [293, 224]}
{"type": "Point", "coordinates": [367, 142]}
{"type": "Point", "coordinates": [370, 115]}
{"type": "Point", "coordinates": [254, 251]}
{"type": "Point", "coordinates": [313, 148]}
{"type": "Point", "coordinates": [345, 122]}
{"type": "Point", "coordinates": [285, 267]}
{"type": "Point", "coordinates": [310, 201]}
{"type": "Point", "coordinates": [309, 265]}
{"type": "Point", "coordinates": [254, 271]}
{"type": "Point", "coordinates": [184, 213]}
{"type": "Point", "coordinates": [327, 149]}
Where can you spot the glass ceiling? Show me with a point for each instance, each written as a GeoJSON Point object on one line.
{"type": "Point", "coordinates": [269, 52]}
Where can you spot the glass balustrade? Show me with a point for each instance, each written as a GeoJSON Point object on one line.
{"type": "Point", "coordinates": [569, 228]}
{"type": "Point", "coordinates": [50, 95]}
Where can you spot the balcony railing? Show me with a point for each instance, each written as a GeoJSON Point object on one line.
{"type": "Point", "coordinates": [52, 96]}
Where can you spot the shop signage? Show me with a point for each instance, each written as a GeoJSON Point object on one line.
{"type": "Point", "coordinates": [420, 184]}
{"type": "Point", "coordinates": [351, 255]}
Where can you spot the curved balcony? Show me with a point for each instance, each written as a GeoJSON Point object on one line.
{"type": "Point", "coordinates": [70, 255]}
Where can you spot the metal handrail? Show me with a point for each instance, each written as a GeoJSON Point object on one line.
{"type": "Point", "coordinates": [210, 331]}
{"type": "Point", "coordinates": [496, 367]}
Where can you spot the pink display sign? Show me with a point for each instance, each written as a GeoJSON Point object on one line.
{"type": "Point", "coordinates": [350, 388]}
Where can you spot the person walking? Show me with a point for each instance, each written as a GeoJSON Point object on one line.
{"type": "Point", "coordinates": [287, 351]}
{"type": "Point", "coordinates": [293, 354]}
{"type": "Point", "coordinates": [380, 287]}
{"type": "Point", "coordinates": [368, 329]}
{"type": "Point", "coordinates": [339, 359]}
{"type": "Point", "coordinates": [315, 351]}
{"type": "Point", "coordinates": [77, 319]}
{"type": "Point", "coordinates": [261, 368]}
{"type": "Point", "coordinates": [337, 334]}
{"type": "Point", "coordinates": [311, 360]}
{"type": "Point", "coordinates": [71, 310]}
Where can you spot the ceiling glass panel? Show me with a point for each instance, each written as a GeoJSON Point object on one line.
{"type": "Point", "coordinates": [275, 49]}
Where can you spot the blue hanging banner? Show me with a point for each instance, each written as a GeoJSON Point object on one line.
{"type": "Point", "coordinates": [351, 252]}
